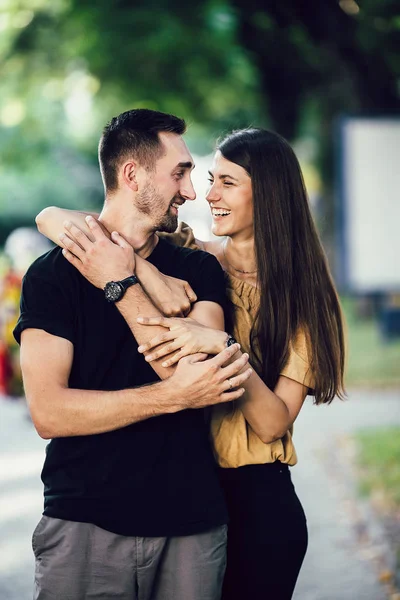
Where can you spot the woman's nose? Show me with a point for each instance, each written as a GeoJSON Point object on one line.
{"type": "Point", "coordinates": [212, 194]}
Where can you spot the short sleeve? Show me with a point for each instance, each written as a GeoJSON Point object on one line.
{"type": "Point", "coordinates": [298, 365]}
{"type": "Point", "coordinates": [44, 305]}
{"type": "Point", "coordinates": [207, 278]}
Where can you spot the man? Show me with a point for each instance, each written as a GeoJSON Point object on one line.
{"type": "Point", "coordinates": [132, 507]}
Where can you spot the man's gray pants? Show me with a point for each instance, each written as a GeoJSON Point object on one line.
{"type": "Point", "coordinates": [79, 561]}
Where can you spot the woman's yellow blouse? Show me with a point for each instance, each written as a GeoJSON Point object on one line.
{"type": "Point", "coordinates": [235, 443]}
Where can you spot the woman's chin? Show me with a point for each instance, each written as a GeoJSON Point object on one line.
{"type": "Point", "coordinates": [218, 229]}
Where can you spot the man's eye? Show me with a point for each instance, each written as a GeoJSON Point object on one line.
{"type": "Point", "coordinates": [228, 183]}
{"type": "Point", "coordinates": [179, 175]}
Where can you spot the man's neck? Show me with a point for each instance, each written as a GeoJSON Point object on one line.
{"type": "Point", "coordinates": [130, 225]}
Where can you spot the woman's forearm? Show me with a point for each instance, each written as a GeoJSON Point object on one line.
{"type": "Point", "coordinates": [50, 222]}
{"type": "Point", "coordinates": [144, 269]}
{"type": "Point", "coordinates": [269, 413]}
{"type": "Point", "coordinates": [172, 296]}
{"type": "Point", "coordinates": [265, 412]}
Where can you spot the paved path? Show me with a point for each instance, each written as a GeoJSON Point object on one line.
{"type": "Point", "coordinates": [335, 567]}
{"type": "Point", "coordinates": [21, 459]}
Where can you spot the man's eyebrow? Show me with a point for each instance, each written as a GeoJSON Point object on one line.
{"type": "Point", "coordinates": [185, 165]}
{"type": "Point", "coordinates": [223, 176]}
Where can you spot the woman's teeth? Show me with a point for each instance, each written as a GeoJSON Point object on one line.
{"type": "Point", "coordinates": [220, 212]}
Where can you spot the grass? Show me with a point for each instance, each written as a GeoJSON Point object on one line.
{"type": "Point", "coordinates": [379, 463]}
{"type": "Point", "coordinates": [370, 360]}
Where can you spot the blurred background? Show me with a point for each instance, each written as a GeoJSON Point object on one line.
{"type": "Point", "coordinates": [326, 75]}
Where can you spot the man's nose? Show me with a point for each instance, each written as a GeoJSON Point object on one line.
{"type": "Point", "coordinates": [187, 191]}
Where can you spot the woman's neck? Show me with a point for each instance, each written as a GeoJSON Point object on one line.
{"type": "Point", "coordinates": [239, 256]}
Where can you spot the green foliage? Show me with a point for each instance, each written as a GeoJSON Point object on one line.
{"type": "Point", "coordinates": [323, 59]}
{"type": "Point", "coordinates": [379, 460]}
{"type": "Point", "coordinates": [68, 66]}
{"type": "Point", "coordinates": [163, 55]}
{"type": "Point", "coordinates": [370, 361]}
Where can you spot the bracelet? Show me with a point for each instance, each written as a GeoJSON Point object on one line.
{"type": "Point", "coordinates": [230, 340]}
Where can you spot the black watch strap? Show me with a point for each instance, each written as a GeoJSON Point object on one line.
{"type": "Point", "coordinates": [128, 281]}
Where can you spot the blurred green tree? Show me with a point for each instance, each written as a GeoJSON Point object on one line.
{"type": "Point", "coordinates": [69, 65]}
{"type": "Point", "coordinates": [335, 54]}
{"type": "Point", "coordinates": [318, 60]}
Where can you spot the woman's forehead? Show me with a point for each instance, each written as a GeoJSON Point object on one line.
{"type": "Point", "coordinates": [223, 166]}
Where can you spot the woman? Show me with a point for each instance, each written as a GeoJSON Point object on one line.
{"type": "Point", "coordinates": [285, 313]}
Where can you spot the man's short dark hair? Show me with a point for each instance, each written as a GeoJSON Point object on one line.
{"type": "Point", "coordinates": [134, 134]}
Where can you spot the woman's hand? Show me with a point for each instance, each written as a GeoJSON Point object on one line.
{"type": "Point", "coordinates": [173, 297]}
{"type": "Point", "coordinates": [100, 261]}
{"type": "Point", "coordinates": [185, 335]}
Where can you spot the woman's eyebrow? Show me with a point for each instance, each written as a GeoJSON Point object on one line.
{"type": "Point", "coordinates": [223, 176]}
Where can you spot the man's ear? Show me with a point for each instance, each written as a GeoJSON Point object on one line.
{"type": "Point", "coordinates": [128, 174]}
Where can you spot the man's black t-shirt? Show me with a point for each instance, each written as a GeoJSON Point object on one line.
{"type": "Point", "coordinates": [152, 478]}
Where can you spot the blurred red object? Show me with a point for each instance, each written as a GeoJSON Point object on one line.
{"type": "Point", "coordinates": [5, 369]}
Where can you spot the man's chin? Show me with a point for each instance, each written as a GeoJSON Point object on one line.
{"type": "Point", "coordinates": [168, 225]}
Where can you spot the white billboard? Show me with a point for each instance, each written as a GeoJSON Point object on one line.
{"type": "Point", "coordinates": [369, 204]}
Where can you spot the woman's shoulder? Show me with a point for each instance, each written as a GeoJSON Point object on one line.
{"type": "Point", "coordinates": [183, 236]}
{"type": "Point", "coordinates": [213, 247]}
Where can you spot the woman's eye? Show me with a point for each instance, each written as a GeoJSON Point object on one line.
{"type": "Point", "coordinates": [228, 183]}
{"type": "Point", "coordinates": [210, 181]}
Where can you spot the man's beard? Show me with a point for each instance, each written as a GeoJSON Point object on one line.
{"type": "Point", "coordinates": [151, 203]}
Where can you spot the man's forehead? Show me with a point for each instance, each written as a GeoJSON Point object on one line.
{"type": "Point", "coordinates": [175, 150]}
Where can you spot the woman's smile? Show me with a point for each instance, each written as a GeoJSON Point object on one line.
{"type": "Point", "coordinates": [219, 212]}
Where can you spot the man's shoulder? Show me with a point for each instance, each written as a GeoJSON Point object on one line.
{"type": "Point", "coordinates": [48, 297]}
{"type": "Point", "coordinates": [51, 265]}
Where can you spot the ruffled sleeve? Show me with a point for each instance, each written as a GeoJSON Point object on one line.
{"type": "Point", "coordinates": [183, 236]}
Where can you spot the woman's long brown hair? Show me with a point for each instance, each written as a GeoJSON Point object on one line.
{"type": "Point", "coordinates": [296, 288]}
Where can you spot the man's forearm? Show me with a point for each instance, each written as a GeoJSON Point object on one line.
{"type": "Point", "coordinates": [87, 412]}
{"type": "Point", "coordinates": [135, 303]}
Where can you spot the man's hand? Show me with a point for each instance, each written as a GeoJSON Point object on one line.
{"type": "Point", "coordinates": [101, 260]}
{"type": "Point", "coordinates": [199, 382]}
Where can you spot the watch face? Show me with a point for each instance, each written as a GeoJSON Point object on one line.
{"type": "Point", "coordinates": [113, 291]}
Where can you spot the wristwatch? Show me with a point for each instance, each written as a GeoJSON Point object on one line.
{"type": "Point", "coordinates": [230, 340]}
{"type": "Point", "coordinates": [115, 290]}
